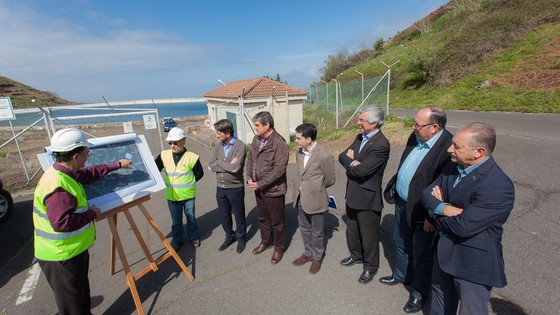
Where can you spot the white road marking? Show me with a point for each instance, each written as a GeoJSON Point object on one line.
{"type": "Point", "coordinates": [29, 285]}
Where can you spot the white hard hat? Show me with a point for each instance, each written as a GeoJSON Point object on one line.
{"type": "Point", "coordinates": [175, 134]}
{"type": "Point", "coordinates": [66, 140]}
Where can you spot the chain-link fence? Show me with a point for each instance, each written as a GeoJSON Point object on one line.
{"type": "Point", "coordinates": [350, 94]}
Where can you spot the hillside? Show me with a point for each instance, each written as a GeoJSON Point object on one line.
{"type": "Point", "coordinates": [485, 55]}
{"type": "Point", "coordinates": [21, 94]}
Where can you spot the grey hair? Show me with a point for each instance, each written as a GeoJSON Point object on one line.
{"type": "Point", "coordinates": [437, 116]}
{"type": "Point", "coordinates": [264, 118]}
{"type": "Point", "coordinates": [482, 135]}
{"type": "Point", "coordinates": [375, 115]}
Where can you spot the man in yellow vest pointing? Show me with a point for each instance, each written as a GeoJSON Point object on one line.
{"type": "Point", "coordinates": [64, 222]}
{"type": "Point", "coordinates": [182, 170]}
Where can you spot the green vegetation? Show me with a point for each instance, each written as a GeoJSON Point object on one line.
{"type": "Point", "coordinates": [470, 54]}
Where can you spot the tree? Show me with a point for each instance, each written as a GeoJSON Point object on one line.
{"type": "Point", "coordinates": [334, 65]}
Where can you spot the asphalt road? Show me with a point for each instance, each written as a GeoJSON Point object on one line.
{"type": "Point", "coordinates": [231, 283]}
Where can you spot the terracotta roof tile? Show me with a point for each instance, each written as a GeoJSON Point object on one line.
{"type": "Point", "coordinates": [254, 88]}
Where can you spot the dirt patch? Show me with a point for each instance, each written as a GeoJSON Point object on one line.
{"type": "Point", "coordinates": [538, 71]}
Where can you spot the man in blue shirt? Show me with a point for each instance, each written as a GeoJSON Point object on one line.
{"type": "Point", "coordinates": [422, 161]}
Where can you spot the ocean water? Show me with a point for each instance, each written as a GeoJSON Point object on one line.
{"type": "Point", "coordinates": [175, 110]}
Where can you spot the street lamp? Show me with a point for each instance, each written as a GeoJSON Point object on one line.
{"type": "Point", "coordinates": [358, 72]}
{"type": "Point", "coordinates": [336, 98]}
{"type": "Point", "coordinates": [316, 93]}
{"type": "Point", "coordinates": [327, 93]}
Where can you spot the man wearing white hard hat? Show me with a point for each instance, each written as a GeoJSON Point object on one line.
{"type": "Point", "coordinates": [64, 222]}
{"type": "Point", "coordinates": [182, 170]}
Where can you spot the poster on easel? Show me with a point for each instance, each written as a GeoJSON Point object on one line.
{"type": "Point", "coordinates": [123, 185]}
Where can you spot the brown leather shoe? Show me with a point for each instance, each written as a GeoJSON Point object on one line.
{"type": "Point", "coordinates": [315, 266]}
{"type": "Point", "coordinates": [261, 248]}
{"type": "Point", "coordinates": [276, 257]}
{"type": "Point", "coordinates": [301, 260]}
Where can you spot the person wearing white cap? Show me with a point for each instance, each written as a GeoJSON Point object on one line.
{"type": "Point", "coordinates": [64, 222]}
{"type": "Point", "coordinates": [182, 170]}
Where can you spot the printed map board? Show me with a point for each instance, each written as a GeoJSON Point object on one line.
{"type": "Point", "coordinates": [122, 185]}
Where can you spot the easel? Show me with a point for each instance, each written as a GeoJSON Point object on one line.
{"type": "Point", "coordinates": [111, 216]}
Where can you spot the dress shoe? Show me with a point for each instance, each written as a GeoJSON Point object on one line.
{"type": "Point", "coordinates": [315, 266]}
{"type": "Point", "coordinates": [196, 242]}
{"type": "Point", "coordinates": [366, 276]}
{"type": "Point", "coordinates": [349, 261]}
{"type": "Point", "coordinates": [176, 245]}
{"type": "Point", "coordinates": [391, 280]}
{"type": "Point", "coordinates": [413, 305]}
{"type": "Point", "coordinates": [241, 245]}
{"type": "Point", "coordinates": [261, 248]}
{"type": "Point", "coordinates": [300, 261]}
{"type": "Point", "coordinates": [225, 244]}
{"type": "Point", "coordinates": [276, 257]}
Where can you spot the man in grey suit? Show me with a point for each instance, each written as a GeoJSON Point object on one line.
{"type": "Point", "coordinates": [315, 173]}
{"type": "Point", "coordinates": [365, 160]}
{"type": "Point", "coordinates": [423, 158]}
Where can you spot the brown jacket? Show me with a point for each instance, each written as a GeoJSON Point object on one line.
{"type": "Point", "coordinates": [269, 165]}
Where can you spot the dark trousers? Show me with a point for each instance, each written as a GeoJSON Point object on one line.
{"type": "Point", "coordinates": [69, 281]}
{"type": "Point", "coordinates": [362, 236]}
{"type": "Point", "coordinates": [232, 201]}
{"type": "Point", "coordinates": [413, 253]}
{"type": "Point", "coordinates": [448, 290]}
{"type": "Point", "coordinates": [312, 228]}
{"type": "Point", "coordinates": [272, 220]}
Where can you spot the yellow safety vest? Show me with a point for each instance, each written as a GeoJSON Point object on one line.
{"type": "Point", "coordinates": [50, 244]}
{"type": "Point", "coordinates": [180, 183]}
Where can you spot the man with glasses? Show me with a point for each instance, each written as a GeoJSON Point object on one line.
{"type": "Point", "coordinates": [182, 171]}
{"type": "Point", "coordinates": [421, 162]}
{"type": "Point", "coordinates": [365, 160]}
{"type": "Point", "coordinates": [64, 221]}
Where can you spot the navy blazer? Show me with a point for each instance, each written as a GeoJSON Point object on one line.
{"type": "Point", "coordinates": [363, 188]}
{"type": "Point", "coordinates": [470, 246]}
{"type": "Point", "coordinates": [428, 170]}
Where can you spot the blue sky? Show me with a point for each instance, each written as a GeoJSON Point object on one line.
{"type": "Point", "coordinates": [124, 50]}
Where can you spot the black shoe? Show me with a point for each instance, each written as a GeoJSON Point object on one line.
{"type": "Point", "coordinates": [390, 280]}
{"type": "Point", "coordinates": [413, 305]}
{"type": "Point", "coordinates": [349, 261]}
{"type": "Point", "coordinates": [196, 242]}
{"type": "Point", "coordinates": [225, 244]}
{"type": "Point", "coordinates": [176, 245]}
{"type": "Point", "coordinates": [241, 245]}
{"type": "Point", "coordinates": [366, 276]}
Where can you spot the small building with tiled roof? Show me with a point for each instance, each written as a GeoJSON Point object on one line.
{"type": "Point", "coordinates": [283, 101]}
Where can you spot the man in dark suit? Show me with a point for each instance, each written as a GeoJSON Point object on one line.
{"type": "Point", "coordinates": [422, 161]}
{"type": "Point", "coordinates": [365, 160]}
{"type": "Point", "coordinates": [314, 174]}
{"type": "Point", "coordinates": [470, 202]}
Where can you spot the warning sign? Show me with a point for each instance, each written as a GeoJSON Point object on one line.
{"type": "Point", "coordinates": [150, 122]}
{"type": "Point", "coordinates": [6, 109]}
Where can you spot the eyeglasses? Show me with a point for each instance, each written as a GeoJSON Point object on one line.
{"type": "Point", "coordinates": [419, 126]}
{"type": "Point", "coordinates": [173, 142]}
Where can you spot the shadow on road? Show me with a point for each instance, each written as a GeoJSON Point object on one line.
{"type": "Point", "coordinates": [16, 245]}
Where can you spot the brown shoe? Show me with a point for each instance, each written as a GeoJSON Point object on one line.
{"type": "Point", "coordinates": [301, 260]}
{"type": "Point", "coordinates": [261, 248]}
{"type": "Point", "coordinates": [276, 257]}
{"type": "Point", "coordinates": [315, 266]}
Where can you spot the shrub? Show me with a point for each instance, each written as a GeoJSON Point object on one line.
{"type": "Point", "coordinates": [408, 122]}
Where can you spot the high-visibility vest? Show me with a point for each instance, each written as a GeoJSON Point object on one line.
{"type": "Point", "coordinates": [50, 244]}
{"type": "Point", "coordinates": [180, 183]}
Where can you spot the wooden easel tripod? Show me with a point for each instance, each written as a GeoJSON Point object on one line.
{"type": "Point", "coordinates": [111, 216]}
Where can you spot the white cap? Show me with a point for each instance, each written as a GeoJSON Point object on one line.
{"type": "Point", "coordinates": [66, 140]}
{"type": "Point", "coordinates": [175, 134]}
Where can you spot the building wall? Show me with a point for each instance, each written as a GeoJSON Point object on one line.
{"type": "Point", "coordinates": [285, 119]}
